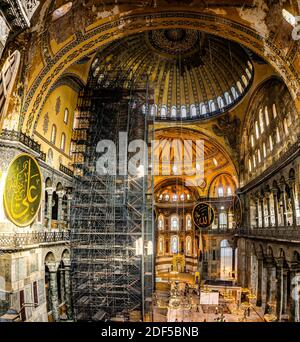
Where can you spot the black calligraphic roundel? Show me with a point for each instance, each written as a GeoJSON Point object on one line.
{"type": "Point", "coordinates": [203, 215]}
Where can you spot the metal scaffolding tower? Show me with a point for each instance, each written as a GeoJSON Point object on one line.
{"type": "Point", "coordinates": [112, 215]}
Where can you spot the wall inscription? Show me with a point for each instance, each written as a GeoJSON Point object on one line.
{"type": "Point", "coordinates": [23, 190]}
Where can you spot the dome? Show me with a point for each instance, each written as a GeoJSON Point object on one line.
{"type": "Point", "coordinates": [192, 75]}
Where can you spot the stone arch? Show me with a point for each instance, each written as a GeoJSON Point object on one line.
{"type": "Point", "coordinates": [65, 255]}
{"type": "Point", "coordinates": [103, 32]}
{"type": "Point", "coordinates": [49, 258]}
{"type": "Point", "coordinates": [48, 182]}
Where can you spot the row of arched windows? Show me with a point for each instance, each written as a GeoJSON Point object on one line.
{"type": "Point", "coordinates": [211, 106]}
{"type": "Point", "coordinates": [174, 243]}
{"type": "Point", "coordinates": [265, 138]}
{"type": "Point", "coordinates": [175, 222]}
{"type": "Point", "coordinates": [62, 138]}
{"type": "Point", "coordinates": [166, 197]}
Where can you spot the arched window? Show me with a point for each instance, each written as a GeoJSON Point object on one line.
{"type": "Point", "coordinates": [174, 244]}
{"type": "Point", "coordinates": [161, 222]}
{"type": "Point", "coordinates": [223, 220]}
{"type": "Point", "coordinates": [264, 150]}
{"type": "Point", "coordinates": [193, 110]}
{"type": "Point", "coordinates": [285, 125]}
{"type": "Point", "coordinates": [183, 111]}
{"type": "Point", "coordinates": [250, 165]}
{"type": "Point", "coordinates": [252, 140]}
{"type": "Point", "coordinates": [163, 112]}
{"type": "Point", "coordinates": [245, 81]}
{"type": "Point", "coordinates": [161, 245]}
{"type": "Point", "coordinates": [240, 87]}
{"type": "Point", "coordinates": [188, 247]}
{"type": "Point", "coordinates": [220, 191]}
{"type": "Point", "coordinates": [256, 130]}
{"type": "Point", "coordinates": [267, 116]}
{"type": "Point", "coordinates": [271, 143]}
{"type": "Point", "coordinates": [228, 98]}
{"type": "Point", "coordinates": [234, 93]}
{"type": "Point", "coordinates": [66, 116]}
{"type": "Point", "coordinates": [274, 110]}
{"type": "Point", "coordinates": [174, 222]}
{"type": "Point", "coordinates": [254, 161]}
{"type": "Point", "coordinates": [182, 197]}
{"type": "Point", "coordinates": [250, 65]}
{"type": "Point", "coordinates": [203, 110]}
{"type": "Point", "coordinates": [220, 102]}
{"type": "Point", "coordinates": [153, 110]}
{"type": "Point", "coordinates": [258, 156]}
{"type": "Point", "coordinates": [53, 134]}
{"type": "Point", "coordinates": [167, 197]}
{"type": "Point", "coordinates": [248, 73]}
{"type": "Point", "coordinates": [229, 191]}
{"type": "Point", "coordinates": [188, 222]}
{"type": "Point", "coordinates": [226, 260]}
{"type": "Point", "coordinates": [261, 121]}
{"type": "Point", "coordinates": [212, 106]}
{"type": "Point", "coordinates": [63, 142]}
{"type": "Point", "coordinates": [277, 135]}
{"type": "Point", "coordinates": [173, 112]}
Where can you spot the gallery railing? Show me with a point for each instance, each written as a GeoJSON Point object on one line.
{"type": "Point", "coordinates": [11, 135]}
{"type": "Point", "coordinates": [288, 233]}
{"type": "Point", "coordinates": [14, 240]}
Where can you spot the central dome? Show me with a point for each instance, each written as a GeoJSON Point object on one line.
{"type": "Point", "coordinates": [172, 43]}
{"type": "Point", "coordinates": [192, 74]}
{"type": "Point", "coordinates": [175, 35]}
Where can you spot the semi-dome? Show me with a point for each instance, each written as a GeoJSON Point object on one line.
{"type": "Point", "coordinates": [192, 74]}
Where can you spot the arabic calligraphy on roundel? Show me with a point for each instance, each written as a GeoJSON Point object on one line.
{"type": "Point", "coordinates": [22, 194]}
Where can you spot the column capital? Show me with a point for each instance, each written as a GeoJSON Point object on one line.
{"type": "Point", "coordinates": [60, 193]}
{"type": "Point", "coordinates": [67, 262]}
{"type": "Point", "coordinates": [49, 190]}
{"type": "Point", "coordinates": [52, 266]}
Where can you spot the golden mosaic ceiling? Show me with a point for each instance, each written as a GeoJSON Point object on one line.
{"type": "Point", "coordinates": [192, 74]}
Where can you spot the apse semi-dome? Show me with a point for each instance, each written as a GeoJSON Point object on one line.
{"type": "Point", "coordinates": [191, 74]}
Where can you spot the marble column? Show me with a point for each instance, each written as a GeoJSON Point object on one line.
{"type": "Point", "coordinates": [53, 291]}
{"type": "Point", "coordinates": [269, 210]}
{"type": "Point", "coordinates": [68, 289]}
{"type": "Point", "coordinates": [69, 202]}
{"type": "Point", "coordinates": [262, 211]}
{"type": "Point", "coordinates": [279, 292]}
{"type": "Point", "coordinates": [292, 193]}
{"type": "Point", "coordinates": [62, 284]}
{"type": "Point", "coordinates": [259, 280]}
{"type": "Point", "coordinates": [49, 208]}
{"type": "Point", "coordinates": [257, 211]}
{"type": "Point", "coordinates": [60, 195]}
{"type": "Point", "coordinates": [275, 198]}
{"type": "Point", "coordinates": [282, 187]}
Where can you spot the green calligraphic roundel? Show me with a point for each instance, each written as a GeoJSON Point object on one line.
{"type": "Point", "coordinates": [23, 190]}
{"type": "Point", "coordinates": [203, 215]}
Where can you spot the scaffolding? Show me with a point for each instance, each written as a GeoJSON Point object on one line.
{"type": "Point", "coordinates": [111, 215]}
